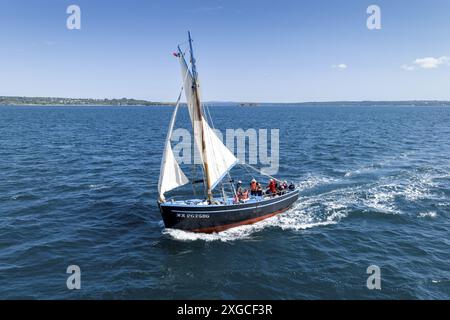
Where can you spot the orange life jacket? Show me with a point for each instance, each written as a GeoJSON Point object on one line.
{"type": "Point", "coordinates": [273, 187]}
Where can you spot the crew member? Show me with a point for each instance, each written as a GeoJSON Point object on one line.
{"type": "Point", "coordinates": [244, 195]}
{"type": "Point", "coordinates": [253, 187]}
{"type": "Point", "coordinates": [259, 190]}
{"type": "Point", "coordinates": [239, 188]}
{"type": "Point", "coordinates": [272, 186]}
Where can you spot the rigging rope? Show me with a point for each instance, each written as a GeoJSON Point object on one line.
{"type": "Point", "coordinates": [259, 171]}
{"type": "Point", "coordinates": [248, 171]}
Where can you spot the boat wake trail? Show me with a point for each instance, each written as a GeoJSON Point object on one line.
{"type": "Point", "coordinates": [325, 201]}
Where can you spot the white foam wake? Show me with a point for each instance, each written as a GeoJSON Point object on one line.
{"type": "Point", "coordinates": [96, 187]}
{"type": "Point", "coordinates": [290, 220]}
{"type": "Point", "coordinates": [429, 214]}
{"type": "Point", "coordinates": [329, 207]}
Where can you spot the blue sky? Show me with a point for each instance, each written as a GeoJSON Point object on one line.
{"type": "Point", "coordinates": [247, 50]}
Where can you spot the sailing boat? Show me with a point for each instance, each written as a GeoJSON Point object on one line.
{"type": "Point", "coordinates": [210, 213]}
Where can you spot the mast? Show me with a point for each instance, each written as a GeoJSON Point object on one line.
{"type": "Point", "coordinates": [200, 113]}
{"type": "Point", "coordinates": [194, 68]}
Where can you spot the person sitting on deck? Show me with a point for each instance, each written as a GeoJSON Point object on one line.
{"type": "Point", "coordinates": [283, 187]}
{"type": "Point", "coordinates": [244, 195]}
{"type": "Point", "coordinates": [239, 188]}
{"type": "Point", "coordinates": [280, 188]}
{"type": "Point", "coordinates": [238, 191]}
{"type": "Point", "coordinates": [236, 199]}
{"type": "Point", "coordinates": [253, 187]}
{"type": "Point", "coordinates": [291, 186]}
{"type": "Point", "coordinates": [272, 186]}
{"type": "Point", "coordinates": [241, 193]}
{"type": "Point", "coordinates": [259, 190]}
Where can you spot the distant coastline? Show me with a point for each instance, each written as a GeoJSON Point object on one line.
{"type": "Point", "coordinates": [49, 101]}
{"type": "Point", "coordinates": [52, 101]}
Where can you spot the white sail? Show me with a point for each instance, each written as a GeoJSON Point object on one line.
{"type": "Point", "coordinates": [216, 157]}
{"type": "Point", "coordinates": [191, 100]}
{"type": "Point", "coordinates": [220, 158]}
{"type": "Point", "coordinates": [170, 175]}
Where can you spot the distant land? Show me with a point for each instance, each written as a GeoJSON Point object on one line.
{"type": "Point", "coordinates": [49, 101]}
{"type": "Point", "coordinates": [335, 103]}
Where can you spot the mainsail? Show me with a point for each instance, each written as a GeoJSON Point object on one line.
{"type": "Point", "coordinates": [217, 159]}
{"type": "Point", "coordinates": [191, 100]}
{"type": "Point", "coordinates": [170, 175]}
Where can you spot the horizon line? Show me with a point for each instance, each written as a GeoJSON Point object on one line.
{"type": "Point", "coordinates": [228, 101]}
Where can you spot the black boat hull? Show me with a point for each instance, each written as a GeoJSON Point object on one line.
{"type": "Point", "coordinates": [216, 218]}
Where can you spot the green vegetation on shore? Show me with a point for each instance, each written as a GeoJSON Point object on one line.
{"type": "Point", "coordinates": [47, 101]}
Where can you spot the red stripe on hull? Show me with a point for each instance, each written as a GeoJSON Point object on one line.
{"type": "Point", "coordinates": [237, 224]}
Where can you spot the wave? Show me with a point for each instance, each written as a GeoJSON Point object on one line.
{"type": "Point", "coordinates": [313, 181]}
{"type": "Point", "coordinates": [428, 214]}
{"type": "Point", "coordinates": [377, 165]}
{"type": "Point", "coordinates": [286, 221]}
{"type": "Point", "coordinates": [410, 186]}
{"type": "Point", "coordinates": [381, 198]}
{"type": "Point", "coordinates": [329, 207]}
{"type": "Point", "coordinates": [237, 233]}
{"type": "Point", "coordinates": [95, 187]}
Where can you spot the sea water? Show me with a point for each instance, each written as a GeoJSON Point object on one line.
{"type": "Point", "coordinates": [78, 186]}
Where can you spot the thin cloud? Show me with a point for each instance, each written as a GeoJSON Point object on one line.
{"type": "Point", "coordinates": [207, 9]}
{"type": "Point", "coordinates": [428, 63]}
{"type": "Point", "coordinates": [340, 67]}
{"type": "Point", "coordinates": [408, 67]}
{"type": "Point", "coordinates": [432, 63]}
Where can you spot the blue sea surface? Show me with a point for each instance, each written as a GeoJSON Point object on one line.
{"type": "Point", "coordinates": [78, 186]}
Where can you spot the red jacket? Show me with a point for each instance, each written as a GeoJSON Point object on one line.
{"type": "Point", "coordinates": [272, 186]}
